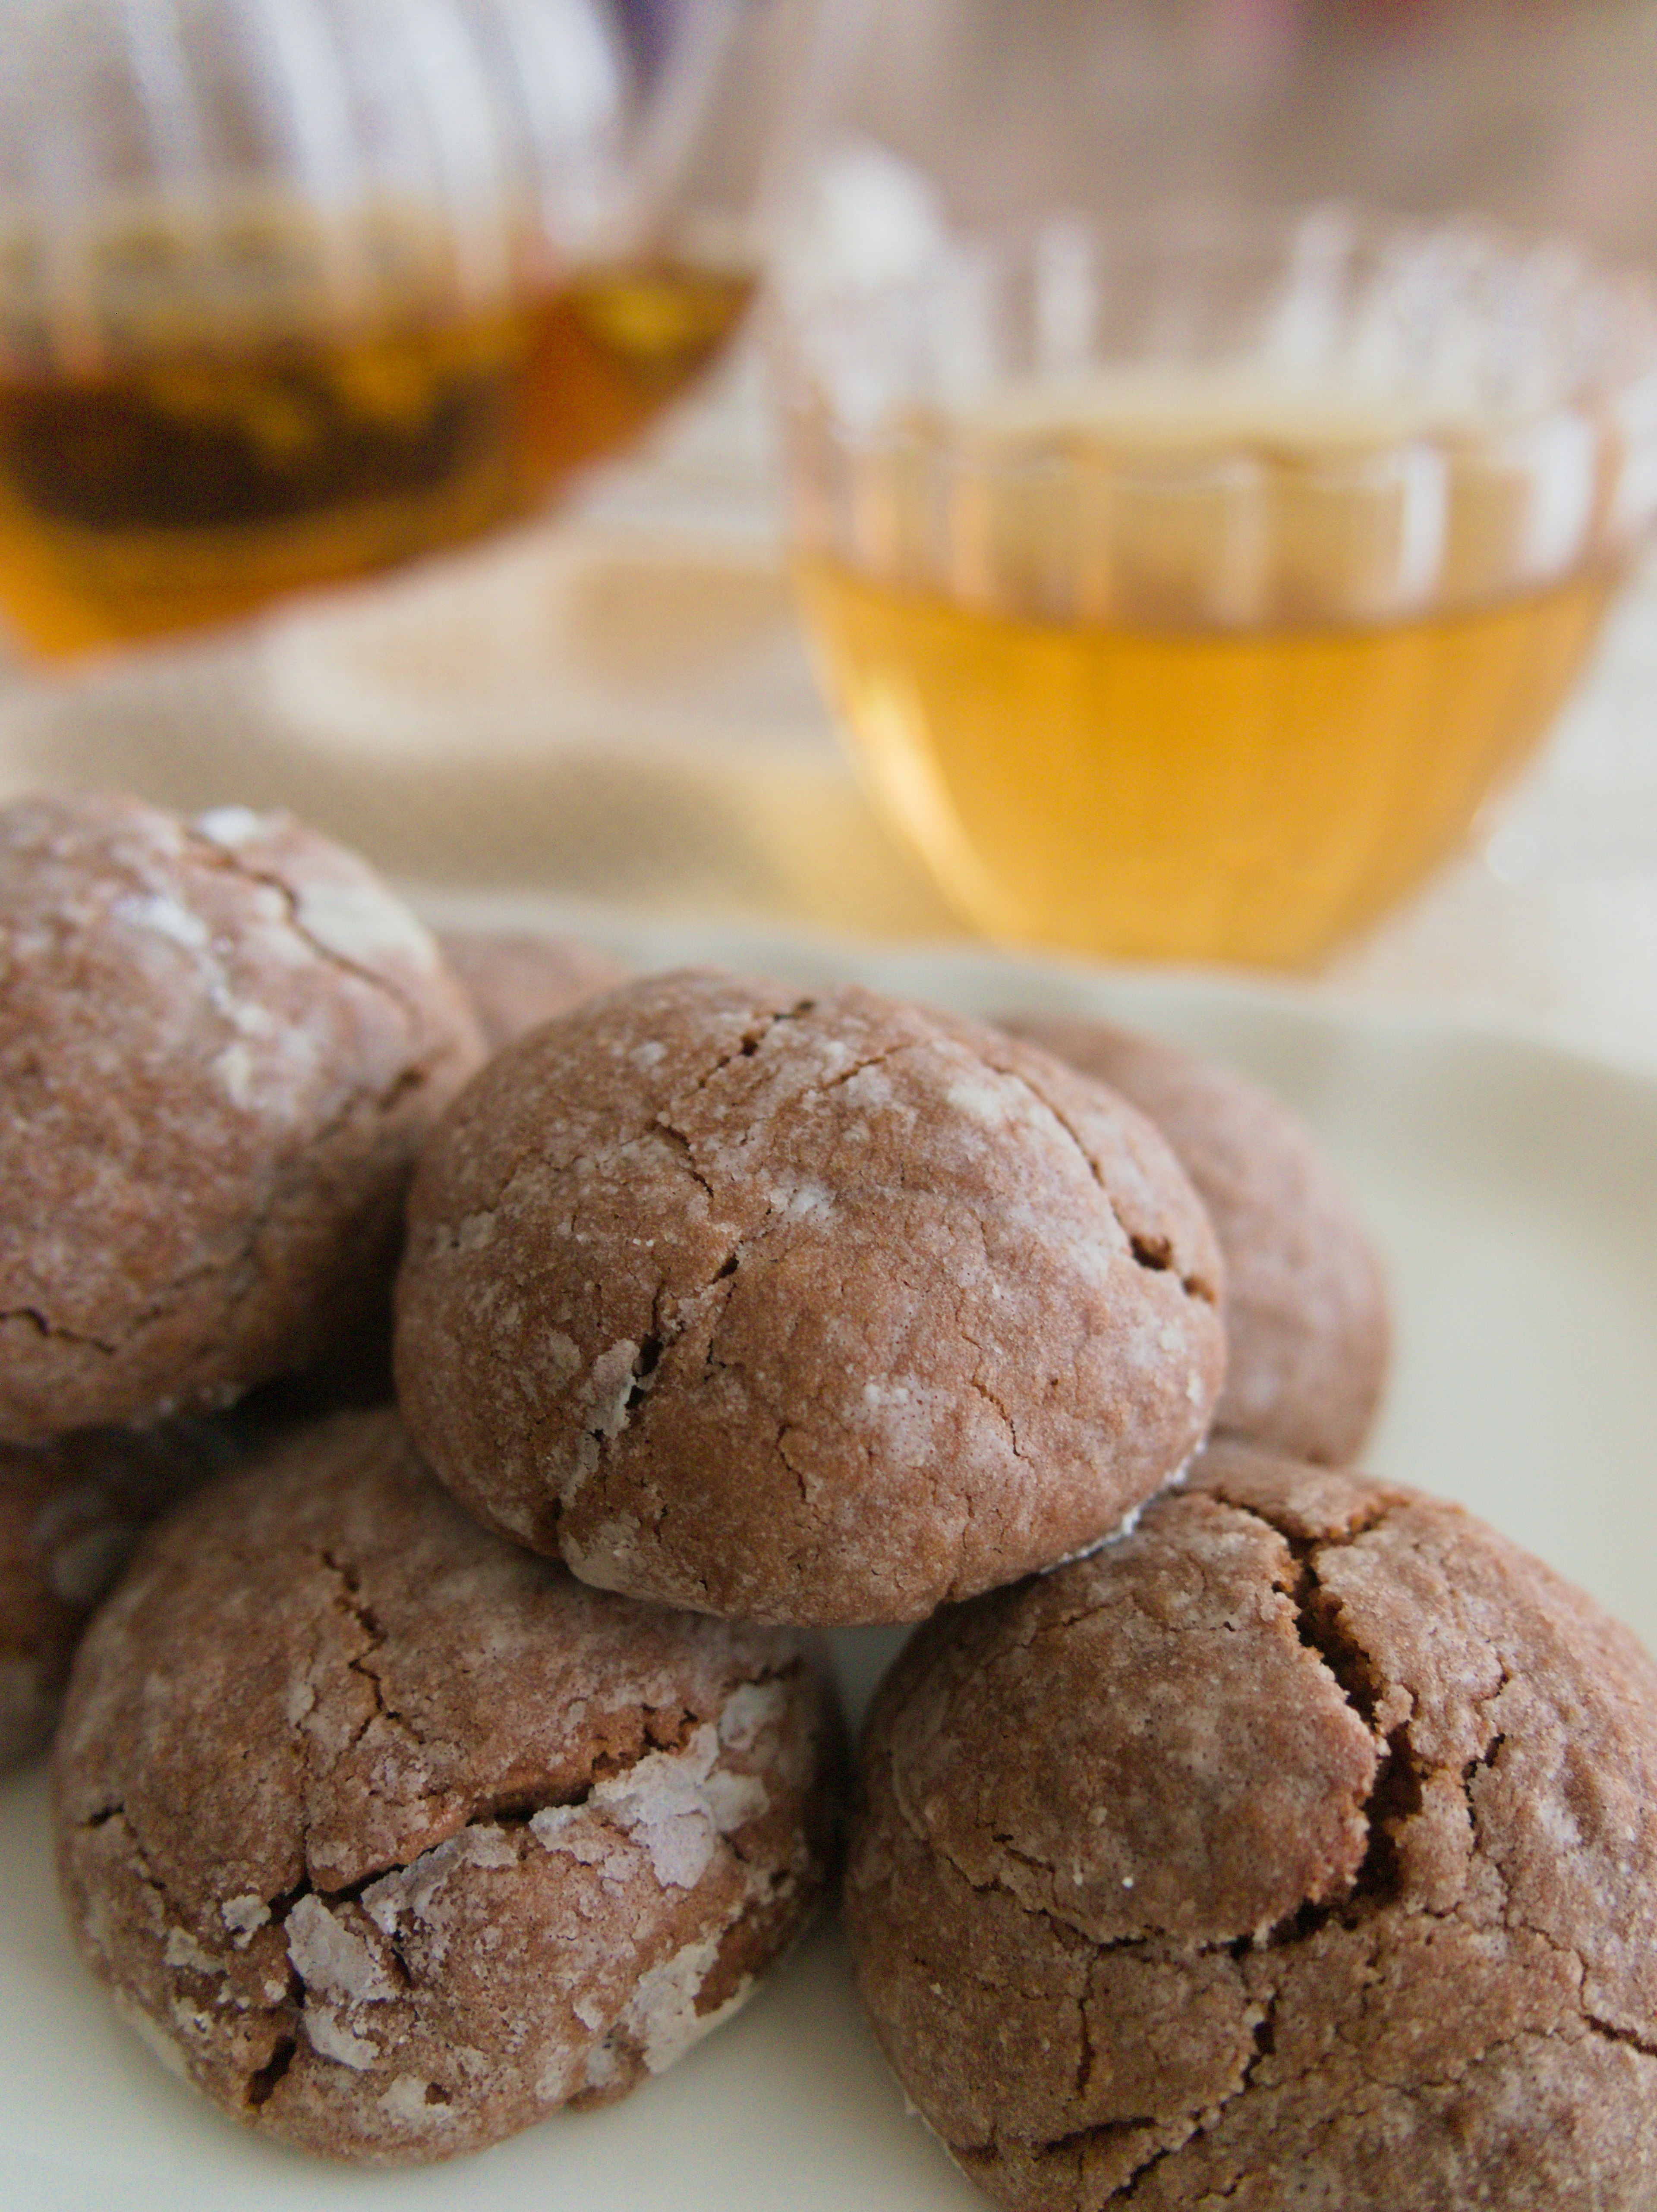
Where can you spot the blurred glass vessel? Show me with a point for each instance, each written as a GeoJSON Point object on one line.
{"type": "Point", "coordinates": [1186, 587]}
{"type": "Point", "coordinates": [293, 289]}
{"type": "Point", "coordinates": [1189, 555]}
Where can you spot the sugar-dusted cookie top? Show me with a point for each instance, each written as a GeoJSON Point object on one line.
{"type": "Point", "coordinates": [221, 1043]}
{"type": "Point", "coordinates": [1301, 1847]}
{"type": "Point", "coordinates": [516, 979]}
{"type": "Point", "coordinates": [392, 1838]}
{"type": "Point", "coordinates": [1305, 1304]}
{"type": "Point", "coordinates": [801, 1306]}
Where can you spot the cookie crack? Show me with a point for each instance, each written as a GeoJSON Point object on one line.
{"type": "Point", "coordinates": [1024, 1858]}
{"type": "Point", "coordinates": [350, 1601]}
{"type": "Point", "coordinates": [1174, 2135]}
{"type": "Point", "coordinates": [677, 1137]}
{"type": "Point", "coordinates": [261, 2084]}
{"type": "Point", "coordinates": [1097, 2131]}
{"type": "Point", "coordinates": [1608, 2032]}
{"type": "Point", "coordinates": [1154, 1254]}
{"type": "Point", "coordinates": [1482, 2056]}
{"type": "Point", "coordinates": [975, 1384]}
{"type": "Point", "coordinates": [652, 1121]}
{"type": "Point", "coordinates": [1085, 2055]}
{"type": "Point", "coordinates": [1375, 1515]}
{"type": "Point", "coordinates": [666, 1730]}
{"type": "Point", "coordinates": [667, 1336]}
{"type": "Point", "coordinates": [1143, 2172]}
{"type": "Point", "coordinates": [759, 1028]}
{"type": "Point", "coordinates": [241, 1271]}
{"type": "Point", "coordinates": [1178, 2130]}
{"type": "Point", "coordinates": [646, 1361]}
{"type": "Point", "coordinates": [55, 1333]}
{"type": "Point", "coordinates": [1397, 1792]}
{"type": "Point", "coordinates": [142, 1864]}
{"type": "Point", "coordinates": [232, 862]}
{"type": "Point", "coordinates": [1484, 1761]}
{"type": "Point", "coordinates": [1187, 2126]}
{"type": "Point", "coordinates": [142, 1868]}
{"type": "Point", "coordinates": [785, 1428]}
{"type": "Point", "coordinates": [859, 1067]}
{"type": "Point", "coordinates": [1066, 1931]}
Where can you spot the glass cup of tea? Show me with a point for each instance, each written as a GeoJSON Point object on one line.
{"type": "Point", "coordinates": [1185, 584]}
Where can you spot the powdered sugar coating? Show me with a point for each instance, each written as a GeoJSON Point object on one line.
{"type": "Point", "coordinates": [802, 1307]}
{"type": "Point", "coordinates": [220, 1044]}
{"type": "Point", "coordinates": [398, 1836]}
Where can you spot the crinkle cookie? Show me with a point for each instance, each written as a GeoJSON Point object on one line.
{"type": "Point", "coordinates": [221, 1043]}
{"type": "Point", "coordinates": [1305, 1304]}
{"type": "Point", "coordinates": [808, 1307]}
{"type": "Point", "coordinates": [517, 980]}
{"type": "Point", "coordinates": [392, 1838]}
{"type": "Point", "coordinates": [1299, 1849]}
{"type": "Point", "coordinates": [69, 1515]}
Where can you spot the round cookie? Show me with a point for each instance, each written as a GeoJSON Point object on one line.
{"type": "Point", "coordinates": [813, 1307]}
{"type": "Point", "coordinates": [70, 1514]}
{"type": "Point", "coordinates": [1300, 1848]}
{"type": "Point", "coordinates": [517, 981]}
{"type": "Point", "coordinates": [392, 1838]}
{"type": "Point", "coordinates": [1305, 1304]}
{"type": "Point", "coordinates": [221, 1045]}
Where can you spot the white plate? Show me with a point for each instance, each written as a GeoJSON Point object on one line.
{"type": "Point", "coordinates": [1512, 1190]}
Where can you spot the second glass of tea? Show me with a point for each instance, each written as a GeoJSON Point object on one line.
{"type": "Point", "coordinates": [1186, 585]}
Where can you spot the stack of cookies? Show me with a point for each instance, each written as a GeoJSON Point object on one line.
{"type": "Point", "coordinates": [445, 1763]}
{"type": "Point", "coordinates": [221, 1045]}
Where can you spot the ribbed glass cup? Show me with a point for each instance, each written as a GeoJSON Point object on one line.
{"type": "Point", "coordinates": [291, 290]}
{"type": "Point", "coordinates": [1186, 587]}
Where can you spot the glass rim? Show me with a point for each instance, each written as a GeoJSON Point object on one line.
{"type": "Point", "coordinates": [1562, 286]}
{"type": "Point", "coordinates": [1193, 224]}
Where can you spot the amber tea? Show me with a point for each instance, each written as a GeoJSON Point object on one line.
{"type": "Point", "coordinates": [1228, 739]}
{"type": "Point", "coordinates": [181, 478]}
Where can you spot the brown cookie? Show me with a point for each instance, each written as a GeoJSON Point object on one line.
{"type": "Point", "coordinates": [807, 1307]}
{"type": "Point", "coordinates": [392, 1838]}
{"type": "Point", "coordinates": [518, 980]}
{"type": "Point", "coordinates": [221, 1043]}
{"type": "Point", "coordinates": [1300, 1848]}
{"type": "Point", "coordinates": [1305, 1304]}
{"type": "Point", "coordinates": [69, 1515]}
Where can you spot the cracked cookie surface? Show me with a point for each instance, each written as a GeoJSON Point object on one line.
{"type": "Point", "coordinates": [1300, 1848]}
{"type": "Point", "coordinates": [221, 1043]}
{"type": "Point", "coordinates": [801, 1306]}
{"type": "Point", "coordinates": [393, 1836]}
{"type": "Point", "coordinates": [1306, 1321]}
{"type": "Point", "coordinates": [517, 980]}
